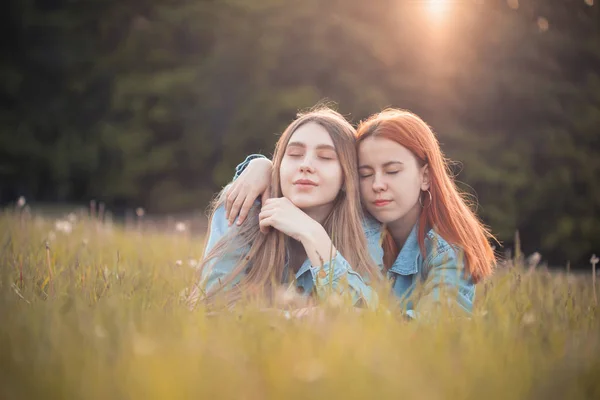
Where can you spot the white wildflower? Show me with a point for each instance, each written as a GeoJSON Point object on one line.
{"type": "Point", "coordinates": [179, 263]}
{"type": "Point", "coordinates": [72, 218]}
{"type": "Point", "coordinates": [195, 264]}
{"type": "Point", "coordinates": [180, 227]}
{"type": "Point", "coordinates": [140, 212]}
{"type": "Point", "coordinates": [63, 226]}
{"type": "Point", "coordinates": [534, 259]}
{"type": "Point", "coordinates": [21, 202]}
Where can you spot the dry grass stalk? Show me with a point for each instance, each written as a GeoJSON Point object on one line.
{"type": "Point", "coordinates": [594, 260]}
{"type": "Point", "coordinates": [50, 276]}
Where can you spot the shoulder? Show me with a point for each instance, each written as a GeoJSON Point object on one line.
{"type": "Point", "coordinates": [218, 219]}
{"type": "Point", "coordinates": [439, 251]}
{"type": "Point", "coordinates": [371, 226]}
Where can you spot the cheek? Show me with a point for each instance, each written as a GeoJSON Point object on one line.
{"type": "Point", "coordinates": [284, 170]}
{"type": "Point", "coordinates": [407, 187]}
{"type": "Point", "coordinates": [364, 185]}
{"type": "Point", "coordinates": [335, 176]}
{"type": "Point", "coordinates": [285, 178]}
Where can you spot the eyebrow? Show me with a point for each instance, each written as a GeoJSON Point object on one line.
{"type": "Point", "coordinates": [319, 147]}
{"type": "Point", "coordinates": [387, 164]}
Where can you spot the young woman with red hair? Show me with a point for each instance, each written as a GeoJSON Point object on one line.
{"type": "Point", "coordinates": [431, 235]}
{"type": "Point", "coordinates": [435, 248]}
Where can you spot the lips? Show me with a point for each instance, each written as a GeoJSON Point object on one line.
{"type": "Point", "coordinates": [305, 182]}
{"type": "Point", "coordinates": [381, 203]}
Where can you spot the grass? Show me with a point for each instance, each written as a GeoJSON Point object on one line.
{"type": "Point", "coordinates": [98, 313]}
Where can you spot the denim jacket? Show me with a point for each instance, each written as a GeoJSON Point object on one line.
{"type": "Point", "coordinates": [424, 282]}
{"type": "Point", "coordinates": [337, 274]}
{"type": "Point", "coordinates": [439, 276]}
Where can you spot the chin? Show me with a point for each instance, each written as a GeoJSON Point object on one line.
{"type": "Point", "coordinates": [382, 216]}
{"type": "Point", "coordinates": [309, 200]}
{"type": "Point", "coordinates": [304, 202]}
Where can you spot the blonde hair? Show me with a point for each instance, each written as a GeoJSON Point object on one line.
{"type": "Point", "coordinates": [265, 262]}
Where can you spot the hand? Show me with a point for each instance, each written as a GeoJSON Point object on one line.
{"type": "Point", "coordinates": [317, 314]}
{"type": "Point", "coordinates": [251, 184]}
{"type": "Point", "coordinates": [283, 215]}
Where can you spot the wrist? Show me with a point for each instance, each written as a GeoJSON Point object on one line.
{"type": "Point", "coordinates": [261, 162]}
{"type": "Point", "coordinates": [311, 232]}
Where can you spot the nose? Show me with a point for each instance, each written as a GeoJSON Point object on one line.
{"type": "Point", "coordinates": [379, 184]}
{"type": "Point", "coordinates": [306, 165]}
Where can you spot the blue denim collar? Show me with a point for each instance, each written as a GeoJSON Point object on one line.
{"type": "Point", "coordinates": [407, 261]}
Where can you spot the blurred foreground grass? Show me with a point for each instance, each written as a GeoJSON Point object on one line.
{"type": "Point", "coordinates": [99, 314]}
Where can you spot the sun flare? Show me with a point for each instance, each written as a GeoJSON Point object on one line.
{"type": "Point", "coordinates": [437, 7]}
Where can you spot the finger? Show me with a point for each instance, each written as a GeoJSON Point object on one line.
{"type": "Point", "coordinates": [273, 202]}
{"type": "Point", "coordinates": [268, 206]}
{"type": "Point", "coordinates": [266, 195]}
{"type": "Point", "coordinates": [270, 202]}
{"type": "Point", "coordinates": [265, 225]}
{"type": "Point", "coordinates": [245, 209]}
{"type": "Point", "coordinates": [235, 208]}
{"type": "Point", "coordinates": [265, 214]}
{"type": "Point", "coordinates": [229, 199]}
{"type": "Point", "coordinates": [303, 312]}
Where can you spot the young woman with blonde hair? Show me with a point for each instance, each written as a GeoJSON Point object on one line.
{"type": "Point", "coordinates": [310, 229]}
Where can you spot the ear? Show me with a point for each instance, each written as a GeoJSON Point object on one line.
{"type": "Point", "coordinates": [425, 177]}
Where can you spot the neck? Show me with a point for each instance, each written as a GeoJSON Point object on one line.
{"type": "Point", "coordinates": [400, 228]}
{"type": "Point", "coordinates": [319, 213]}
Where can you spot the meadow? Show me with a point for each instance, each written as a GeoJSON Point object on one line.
{"type": "Point", "coordinates": [91, 310]}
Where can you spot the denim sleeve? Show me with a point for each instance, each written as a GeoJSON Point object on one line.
{"type": "Point", "coordinates": [241, 167]}
{"type": "Point", "coordinates": [446, 284]}
{"type": "Point", "coordinates": [217, 269]}
{"type": "Point", "coordinates": [337, 276]}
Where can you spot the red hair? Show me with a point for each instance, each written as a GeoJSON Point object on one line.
{"type": "Point", "coordinates": [448, 213]}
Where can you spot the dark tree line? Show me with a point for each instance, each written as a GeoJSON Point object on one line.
{"type": "Point", "coordinates": [152, 103]}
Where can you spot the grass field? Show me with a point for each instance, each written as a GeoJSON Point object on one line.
{"type": "Point", "coordinates": [93, 311]}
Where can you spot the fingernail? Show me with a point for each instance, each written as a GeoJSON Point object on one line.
{"type": "Point", "coordinates": [239, 222]}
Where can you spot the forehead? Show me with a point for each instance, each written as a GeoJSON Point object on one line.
{"type": "Point", "coordinates": [311, 134]}
{"type": "Point", "coordinates": [377, 150]}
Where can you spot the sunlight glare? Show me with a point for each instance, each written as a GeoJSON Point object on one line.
{"type": "Point", "coordinates": [437, 7]}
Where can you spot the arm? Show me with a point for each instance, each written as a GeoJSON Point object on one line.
{"type": "Point", "coordinates": [251, 182]}
{"type": "Point", "coordinates": [244, 164]}
{"type": "Point", "coordinates": [331, 271]}
{"type": "Point", "coordinates": [446, 285]}
{"type": "Point", "coordinates": [216, 270]}
{"type": "Point", "coordinates": [283, 215]}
